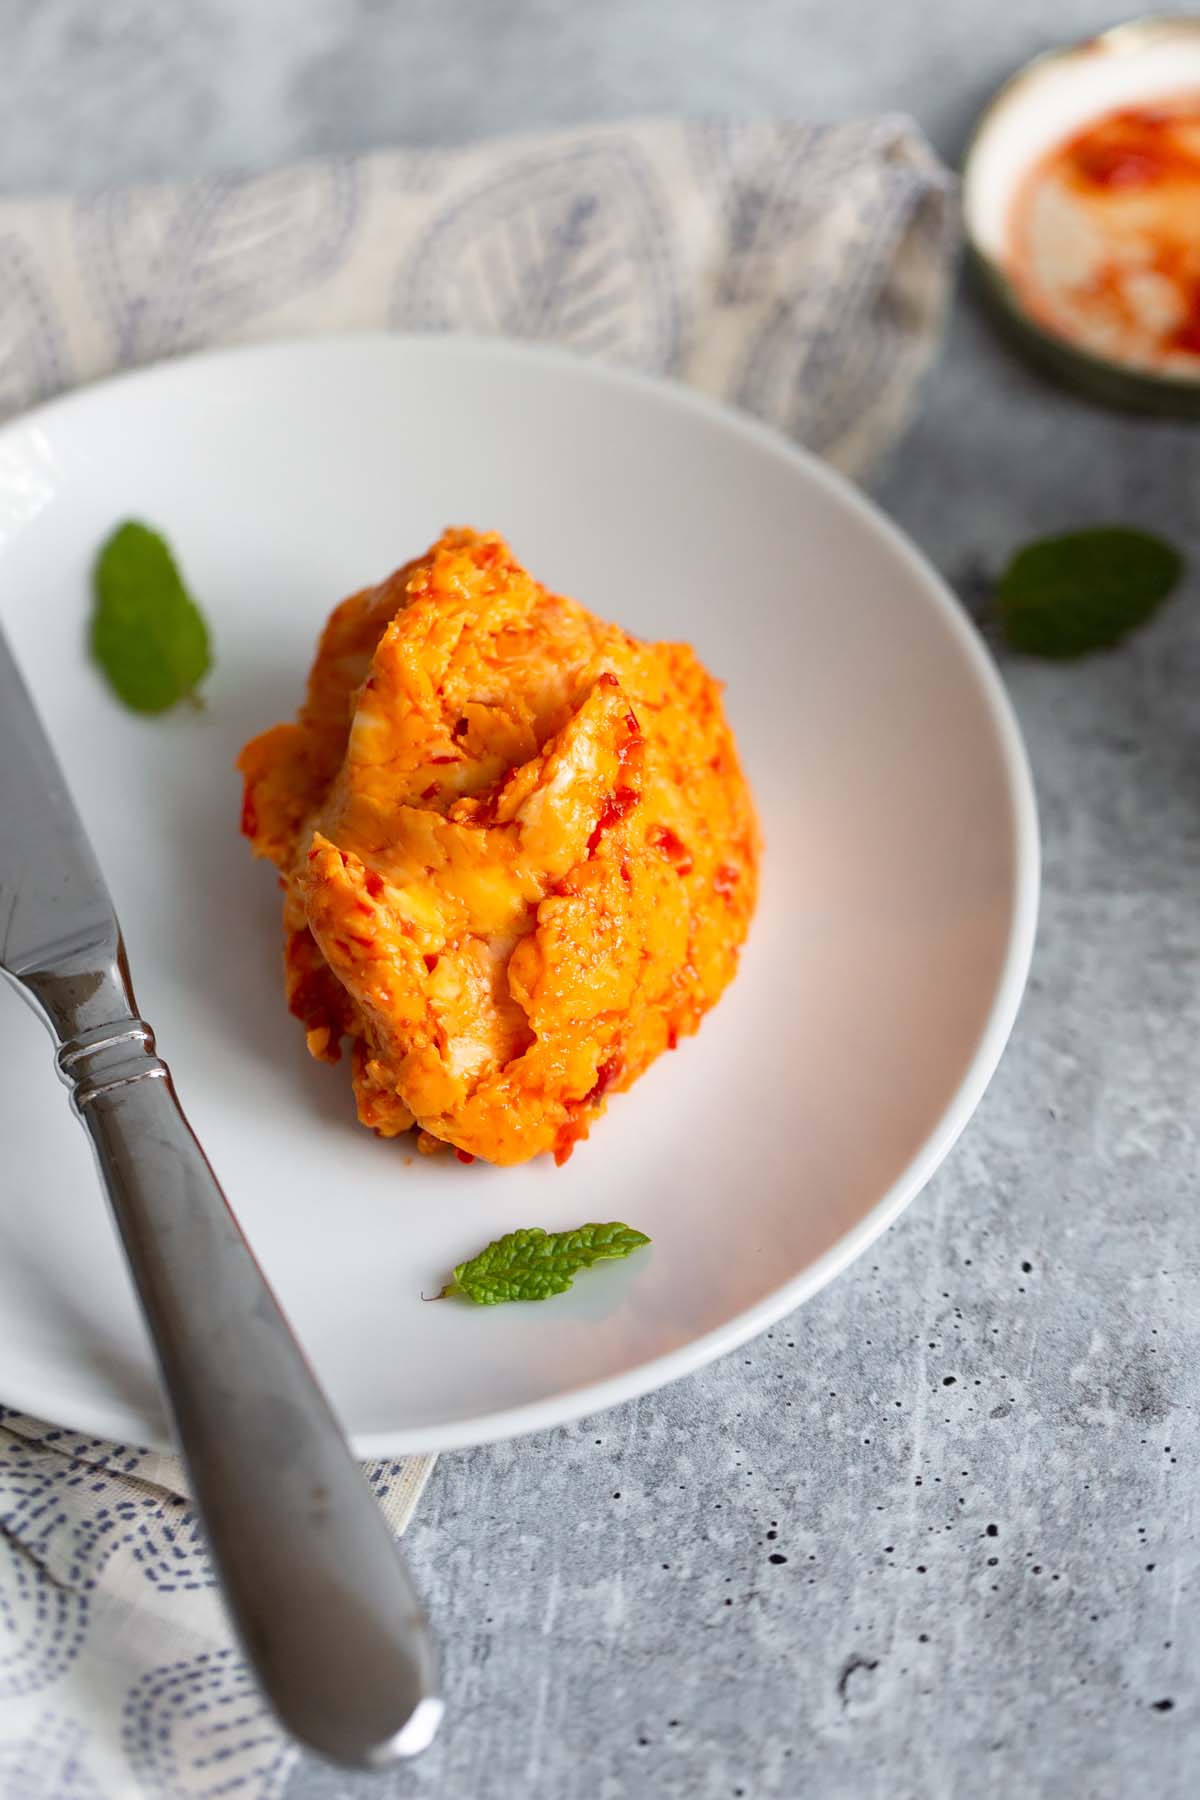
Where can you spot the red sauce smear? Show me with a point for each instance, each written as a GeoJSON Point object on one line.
{"type": "Point", "coordinates": [1117, 165]}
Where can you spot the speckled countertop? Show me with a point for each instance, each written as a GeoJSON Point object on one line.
{"type": "Point", "coordinates": [937, 1534]}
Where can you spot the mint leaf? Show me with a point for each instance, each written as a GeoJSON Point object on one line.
{"type": "Point", "coordinates": [147, 634]}
{"type": "Point", "coordinates": [533, 1264]}
{"type": "Point", "coordinates": [1062, 597]}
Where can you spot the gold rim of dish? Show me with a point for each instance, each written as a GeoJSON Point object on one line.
{"type": "Point", "coordinates": [1112, 382]}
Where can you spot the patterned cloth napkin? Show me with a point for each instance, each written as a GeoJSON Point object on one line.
{"type": "Point", "coordinates": [799, 271]}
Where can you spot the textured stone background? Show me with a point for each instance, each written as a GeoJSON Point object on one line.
{"type": "Point", "coordinates": [935, 1536]}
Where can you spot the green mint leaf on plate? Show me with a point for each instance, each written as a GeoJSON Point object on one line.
{"type": "Point", "coordinates": [533, 1264]}
{"type": "Point", "coordinates": [147, 633]}
{"type": "Point", "coordinates": [1064, 596]}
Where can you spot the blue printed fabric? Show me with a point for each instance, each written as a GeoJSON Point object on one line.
{"type": "Point", "coordinates": [119, 1679]}
{"type": "Point", "coordinates": [800, 271]}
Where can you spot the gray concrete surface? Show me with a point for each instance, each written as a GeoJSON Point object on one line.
{"type": "Point", "coordinates": [937, 1535]}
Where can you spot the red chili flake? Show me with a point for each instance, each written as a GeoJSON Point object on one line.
{"type": "Point", "coordinates": [435, 760]}
{"type": "Point", "coordinates": [464, 1156]}
{"type": "Point", "coordinates": [249, 815]}
{"type": "Point", "coordinates": [430, 791]}
{"type": "Point", "coordinates": [672, 847]}
{"type": "Point", "coordinates": [672, 1038]}
{"type": "Point", "coordinates": [362, 907]}
{"type": "Point", "coordinates": [614, 809]}
{"type": "Point", "coordinates": [606, 1074]}
{"type": "Point", "coordinates": [313, 854]}
{"type": "Point", "coordinates": [608, 679]}
{"type": "Point", "coordinates": [565, 1142]}
{"type": "Point", "coordinates": [726, 879]}
{"type": "Point", "coordinates": [431, 963]}
{"type": "Point", "coordinates": [625, 875]}
{"type": "Point", "coordinates": [366, 942]}
{"type": "Point", "coordinates": [461, 727]}
{"type": "Point", "coordinates": [374, 884]}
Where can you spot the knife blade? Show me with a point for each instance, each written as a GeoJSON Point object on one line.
{"type": "Point", "coordinates": [56, 917]}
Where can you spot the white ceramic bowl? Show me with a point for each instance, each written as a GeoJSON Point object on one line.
{"type": "Point", "coordinates": [881, 978]}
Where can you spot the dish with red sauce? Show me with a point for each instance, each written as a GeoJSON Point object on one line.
{"type": "Point", "coordinates": [1104, 237]}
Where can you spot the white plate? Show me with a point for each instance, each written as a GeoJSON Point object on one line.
{"type": "Point", "coordinates": [883, 970]}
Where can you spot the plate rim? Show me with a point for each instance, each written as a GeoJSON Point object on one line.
{"type": "Point", "coordinates": [124, 1425]}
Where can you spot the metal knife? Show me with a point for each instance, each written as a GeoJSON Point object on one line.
{"type": "Point", "coordinates": [322, 1601]}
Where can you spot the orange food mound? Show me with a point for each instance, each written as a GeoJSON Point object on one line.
{"type": "Point", "coordinates": [518, 850]}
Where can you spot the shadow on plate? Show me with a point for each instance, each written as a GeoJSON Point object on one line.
{"type": "Point", "coordinates": [87, 1332]}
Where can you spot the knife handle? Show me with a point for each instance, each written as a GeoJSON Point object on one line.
{"type": "Point", "coordinates": [316, 1585]}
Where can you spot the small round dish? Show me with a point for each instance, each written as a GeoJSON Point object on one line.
{"type": "Point", "coordinates": [1041, 107]}
{"type": "Point", "coordinates": [883, 969]}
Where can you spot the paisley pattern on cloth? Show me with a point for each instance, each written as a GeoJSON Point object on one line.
{"type": "Point", "coordinates": [118, 1674]}
{"type": "Point", "coordinates": [576, 251]}
{"type": "Point", "coordinates": [799, 271]}
{"type": "Point", "coordinates": [172, 269]}
{"type": "Point", "coordinates": [33, 355]}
